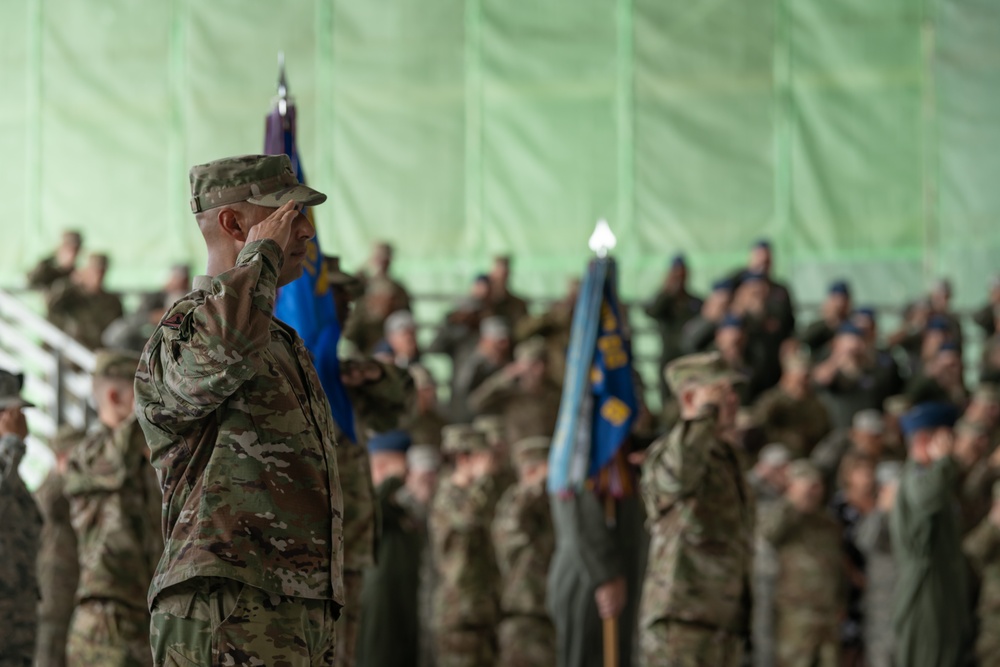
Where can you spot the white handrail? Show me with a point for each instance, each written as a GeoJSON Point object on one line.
{"type": "Point", "coordinates": [11, 308]}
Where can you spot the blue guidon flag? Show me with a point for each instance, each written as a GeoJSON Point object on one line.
{"type": "Point", "coordinates": [599, 402]}
{"type": "Point", "coordinates": [306, 304]}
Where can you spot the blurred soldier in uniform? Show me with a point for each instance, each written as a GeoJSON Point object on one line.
{"type": "Point", "coordinates": [80, 306]}
{"type": "Point", "coordinates": [553, 326]}
{"type": "Point", "coordinates": [422, 465]}
{"type": "Point", "coordinates": [836, 310]}
{"type": "Point", "coordinates": [672, 308]}
{"type": "Point", "coordinates": [696, 596]}
{"type": "Point", "coordinates": [865, 437]}
{"type": "Point", "coordinates": [58, 566]}
{"type": "Point", "coordinates": [465, 602]}
{"type": "Point", "coordinates": [115, 508]}
{"type": "Point", "coordinates": [987, 317]}
{"type": "Point", "coordinates": [503, 303]}
{"type": "Point", "coordinates": [366, 325]}
{"type": "Point", "coordinates": [22, 524]}
{"type": "Point", "coordinates": [809, 595]}
{"type": "Point", "coordinates": [492, 353]}
{"type": "Point", "coordinates": [379, 271]}
{"type": "Point", "coordinates": [425, 421]}
{"type": "Point", "coordinates": [524, 542]}
{"type": "Point", "coordinates": [504, 475]}
{"type": "Point", "coordinates": [791, 413]}
{"type": "Point", "coordinates": [389, 630]}
{"type": "Point", "coordinates": [379, 393]}
{"type": "Point", "coordinates": [931, 610]}
{"type": "Point", "coordinates": [522, 393]}
{"type": "Point", "coordinates": [459, 332]}
{"type": "Point", "coordinates": [131, 331]}
{"type": "Point", "coordinates": [872, 538]}
{"type": "Point", "coordinates": [982, 547]}
{"type": "Point", "coordinates": [768, 479]}
{"type": "Point", "coordinates": [400, 344]}
{"type": "Point", "coordinates": [243, 440]}
{"type": "Point", "coordinates": [59, 266]}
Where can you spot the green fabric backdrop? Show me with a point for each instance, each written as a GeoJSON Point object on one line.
{"type": "Point", "coordinates": [863, 137]}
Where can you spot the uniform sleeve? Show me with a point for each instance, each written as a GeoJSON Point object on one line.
{"type": "Point", "coordinates": [778, 524]}
{"type": "Point", "coordinates": [491, 393]}
{"type": "Point", "coordinates": [682, 466]}
{"type": "Point", "coordinates": [982, 546]}
{"type": "Point", "coordinates": [933, 491]}
{"type": "Point", "coordinates": [208, 348]}
{"type": "Point", "coordinates": [873, 533]}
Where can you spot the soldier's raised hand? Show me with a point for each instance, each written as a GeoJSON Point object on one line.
{"type": "Point", "coordinates": [277, 226]}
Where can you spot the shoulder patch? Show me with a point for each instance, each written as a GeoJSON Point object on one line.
{"type": "Point", "coordinates": [173, 321]}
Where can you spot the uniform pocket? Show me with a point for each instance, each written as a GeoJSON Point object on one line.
{"type": "Point", "coordinates": [226, 601]}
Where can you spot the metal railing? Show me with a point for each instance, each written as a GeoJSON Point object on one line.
{"type": "Point", "coordinates": [56, 367]}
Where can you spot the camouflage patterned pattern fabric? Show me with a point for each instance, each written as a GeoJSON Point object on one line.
{"type": "Point", "coordinates": [213, 621]}
{"type": "Point", "coordinates": [81, 314]}
{"type": "Point", "coordinates": [243, 440]}
{"type": "Point", "coordinates": [982, 547]}
{"type": "Point", "coordinates": [465, 602]}
{"type": "Point", "coordinates": [22, 524]}
{"type": "Point", "coordinates": [110, 634]}
{"type": "Point", "coordinates": [58, 572]}
{"type": "Point", "coordinates": [809, 594]}
{"type": "Point", "coordinates": [115, 511]}
{"type": "Point", "coordinates": [524, 542]}
{"type": "Point", "coordinates": [700, 518]}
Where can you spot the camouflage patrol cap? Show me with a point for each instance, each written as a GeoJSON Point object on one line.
{"type": "Point", "coordinates": [10, 390]}
{"type": "Point", "coordinates": [460, 438]}
{"type": "Point", "coordinates": [897, 405]}
{"type": "Point", "coordinates": [116, 364]}
{"type": "Point", "coordinates": [532, 349]}
{"type": "Point", "coordinates": [803, 469]}
{"type": "Point", "coordinates": [530, 450]}
{"type": "Point", "coordinates": [65, 439]}
{"type": "Point", "coordinates": [264, 180]}
{"type": "Point", "coordinates": [490, 426]}
{"type": "Point", "coordinates": [702, 368]}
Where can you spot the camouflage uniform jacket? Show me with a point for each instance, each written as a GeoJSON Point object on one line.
{"type": "Point", "coordinates": [58, 567]}
{"type": "Point", "coordinates": [982, 547]}
{"type": "Point", "coordinates": [524, 540]}
{"type": "Point", "coordinates": [378, 406]}
{"type": "Point", "coordinates": [82, 315]}
{"type": "Point", "coordinates": [46, 273]}
{"type": "Point", "coordinates": [115, 510]}
{"type": "Point", "coordinates": [811, 570]}
{"type": "Point", "coordinates": [700, 517]}
{"type": "Point", "coordinates": [524, 413]}
{"type": "Point", "coordinates": [459, 526]}
{"type": "Point", "coordinates": [243, 440]}
{"type": "Point", "coordinates": [22, 525]}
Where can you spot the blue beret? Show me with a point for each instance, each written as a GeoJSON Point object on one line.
{"type": "Point", "coordinates": [678, 261]}
{"type": "Point", "coordinates": [866, 312]}
{"type": "Point", "coordinates": [481, 278]}
{"type": "Point", "coordinates": [850, 329]}
{"type": "Point", "coordinates": [390, 441]}
{"type": "Point", "coordinates": [931, 415]}
{"type": "Point", "coordinates": [938, 323]}
{"type": "Point", "coordinates": [763, 244]}
{"type": "Point", "coordinates": [840, 287]}
{"type": "Point", "coordinates": [731, 321]}
{"type": "Point", "coordinates": [948, 346]}
{"type": "Point", "coordinates": [722, 285]}
{"type": "Point", "coordinates": [751, 276]}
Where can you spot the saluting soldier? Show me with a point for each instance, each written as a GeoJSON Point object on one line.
{"type": "Point", "coordinates": [695, 606]}
{"type": "Point", "coordinates": [465, 602]}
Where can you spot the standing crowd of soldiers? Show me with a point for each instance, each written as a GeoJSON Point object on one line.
{"type": "Point", "coordinates": [818, 495]}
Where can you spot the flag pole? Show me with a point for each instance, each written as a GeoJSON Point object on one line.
{"type": "Point", "coordinates": [601, 243]}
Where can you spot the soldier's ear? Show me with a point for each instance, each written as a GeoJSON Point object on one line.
{"type": "Point", "coordinates": [233, 224]}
